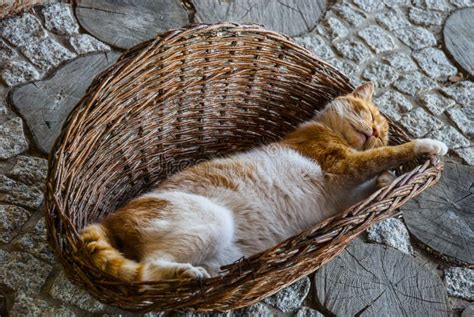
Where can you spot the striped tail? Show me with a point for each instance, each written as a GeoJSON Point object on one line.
{"type": "Point", "coordinates": [107, 258]}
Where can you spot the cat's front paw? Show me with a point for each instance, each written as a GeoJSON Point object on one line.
{"type": "Point", "coordinates": [430, 147]}
{"type": "Point", "coordinates": [385, 179]}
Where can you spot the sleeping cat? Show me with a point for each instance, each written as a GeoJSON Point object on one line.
{"type": "Point", "coordinates": [214, 213]}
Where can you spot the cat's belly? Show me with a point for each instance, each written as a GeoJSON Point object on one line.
{"type": "Point", "coordinates": [287, 195]}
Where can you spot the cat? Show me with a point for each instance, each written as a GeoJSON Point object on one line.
{"type": "Point", "coordinates": [216, 212]}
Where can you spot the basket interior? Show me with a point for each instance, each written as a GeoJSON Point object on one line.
{"type": "Point", "coordinates": [170, 105]}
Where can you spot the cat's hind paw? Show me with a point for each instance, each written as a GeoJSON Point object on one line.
{"type": "Point", "coordinates": [430, 147]}
{"type": "Point", "coordinates": [185, 271]}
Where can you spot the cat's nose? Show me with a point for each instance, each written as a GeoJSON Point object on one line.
{"type": "Point", "coordinates": [375, 132]}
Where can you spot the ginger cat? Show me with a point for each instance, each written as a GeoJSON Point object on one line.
{"type": "Point", "coordinates": [214, 213]}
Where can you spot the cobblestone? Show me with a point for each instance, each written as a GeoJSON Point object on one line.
{"type": "Point", "coordinates": [462, 92]}
{"type": "Point", "coordinates": [401, 61]}
{"type": "Point", "coordinates": [34, 242]}
{"type": "Point", "coordinates": [419, 122]}
{"type": "Point", "coordinates": [377, 39]}
{"type": "Point", "coordinates": [393, 103]}
{"type": "Point", "coordinates": [425, 17]}
{"type": "Point", "coordinates": [463, 117]}
{"type": "Point", "coordinates": [436, 103]}
{"type": "Point", "coordinates": [333, 28]}
{"type": "Point", "coordinates": [65, 291]}
{"type": "Point", "coordinates": [257, 309]}
{"type": "Point", "coordinates": [396, 3]}
{"type": "Point", "coordinates": [59, 19]}
{"type": "Point", "coordinates": [414, 83]}
{"type": "Point", "coordinates": [467, 154]}
{"type": "Point", "coordinates": [380, 74]}
{"type": "Point", "coordinates": [450, 136]}
{"type": "Point", "coordinates": [6, 52]}
{"type": "Point", "coordinates": [84, 43]}
{"type": "Point", "coordinates": [16, 270]}
{"type": "Point", "coordinates": [353, 50]}
{"type": "Point", "coordinates": [440, 5]}
{"type": "Point", "coordinates": [350, 15]}
{"type": "Point", "coordinates": [291, 297]}
{"type": "Point", "coordinates": [28, 306]}
{"type": "Point", "coordinates": [308, 312]}
{"type": "Point", "coordinates": [12, 218]}
{"type": "Point", "coordinates": [22, 30]}
{"type": "Point", "coordinates": [16, 72]}
{"type": "Point", "coordinates": [392, 20]}
{"type": "Point", "coordinates": [47, 53]}
{"type": "Point", "coordinates": [460, 282]}
{"type": "Point", "coordinates": [462, 3]}
{"type": "Point", "coordinates": [346, 67]}
{"type": "Point", "coordinates": [416, 37]}
{"type": "Point", "coordinates": [434, 63]}
{"type": "Point", "coordinates": [12, 138]}
{"type": "Point", "coordinates": [370, 5]}
{"type": "Point", "coordinates": [391, 232]}
{"type": "Point", "coordinates": [30, 170]}
{"type": "Point", "coordinates": [12, 192]}
{"type": "Point", "coordinates": [317, 45]}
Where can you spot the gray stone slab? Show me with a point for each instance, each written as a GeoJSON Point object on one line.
{"type": "Point", "coordinates": [286, 16]}
{"type": "Point", "coordinates": [46, 104]}
{"type": "Point", "coordinates": [373, 280]}
{"type": "Point", "coordinates": [125, 23]}
{"type": "Point", "coordinates": [459, 38]}
{"type": "Point", "coordinates": [442, 218]}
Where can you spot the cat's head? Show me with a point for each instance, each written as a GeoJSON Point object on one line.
{"type": "Point", "coordinates": [357, 119]}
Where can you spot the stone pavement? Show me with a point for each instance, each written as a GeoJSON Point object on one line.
{"type": "Point", "coordinates": [48, 58]}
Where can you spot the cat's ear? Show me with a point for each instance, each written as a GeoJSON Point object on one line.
{"type": "Point", "coordinates": [364, 91]}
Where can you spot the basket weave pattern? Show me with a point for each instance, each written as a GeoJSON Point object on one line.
{"type": "Point", "coordinates": [189, 95]}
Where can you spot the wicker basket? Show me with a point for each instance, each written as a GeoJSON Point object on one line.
{"type": "Point", "coordinates": [189, 95]}
{"type": "Point", "coordinates": [12, 7]}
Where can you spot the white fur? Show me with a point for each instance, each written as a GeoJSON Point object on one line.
{"type": "Point", "coordinates": [212, 226]}
{"type": "Point", "coordinates": [430, 147]}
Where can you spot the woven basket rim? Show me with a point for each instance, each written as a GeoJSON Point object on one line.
{"type": "Point", "coordinates": [334, 233]}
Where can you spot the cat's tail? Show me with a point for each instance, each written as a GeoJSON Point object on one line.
{"type": "Point", "coordinates": [107, 258]}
